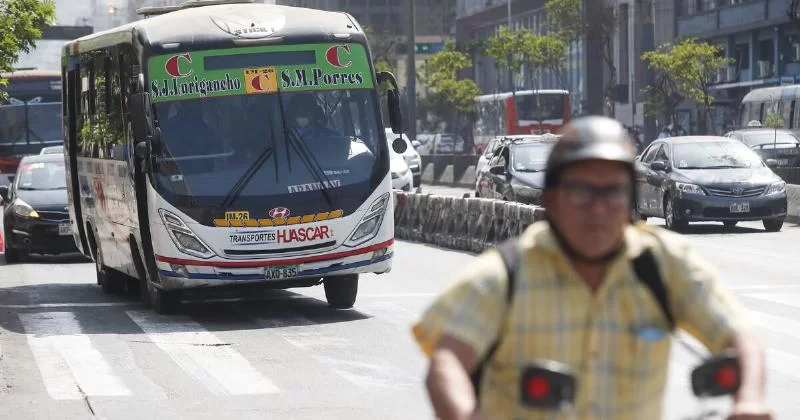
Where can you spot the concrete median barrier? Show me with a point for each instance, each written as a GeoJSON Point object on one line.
{"type": "Point", "coordinates": [793, 205]}
{"type": "Point", "coordinates": [465, 224]}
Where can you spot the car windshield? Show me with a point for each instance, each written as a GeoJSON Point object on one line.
{"type": "Point", "coordinates": [715, 155]}
{"type": "Point", "coordinates": [531, 157]}
{"type": "Point", "coordinates": [41, 176]}
{"type": "Point", "coordinates": [291, 145]}
{"type": "Point", "coordinates": [757, 139]}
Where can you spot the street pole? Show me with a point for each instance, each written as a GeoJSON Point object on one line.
{"type": "Point", "coordinates": [411, 75]}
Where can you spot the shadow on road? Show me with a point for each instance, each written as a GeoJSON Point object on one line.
{"type": "Point", "coordinates": [249, 308]}
{"type": "Point", "coordinates": [53, 259]}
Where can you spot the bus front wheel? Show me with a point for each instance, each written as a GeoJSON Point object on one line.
{"type": "Point", "coordinates": [164, 301]}
{"type": "Point", "coordinates": [341, 291]}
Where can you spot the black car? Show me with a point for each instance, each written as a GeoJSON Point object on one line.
{"type": "Point", "coordinates": [708, 178]}
{"type": "Point", "coordinates": [35, 214]}
{"type": "Point", "coordinates": [781, 145]}
{"type": "Point", "coordinates": [516, 170]}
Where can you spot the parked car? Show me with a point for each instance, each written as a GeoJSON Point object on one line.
{"type": "Point", "coordinates": [411, 155]}
{"type": "Point", "coordinates": [440, 144]}
{"type": "Point", "coordinates": [516, 171]}
{"type": "Point", "coordinates": [35, 214]}
{"type": "Point", "coordinates": [781, 145]}
{"type": "Point", "coordinates": [708, 178]}
{"type": "Point", "coordinates": [402, 179]}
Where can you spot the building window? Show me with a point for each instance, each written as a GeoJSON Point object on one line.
{"type": "Point", "coordinates": [743, 56]}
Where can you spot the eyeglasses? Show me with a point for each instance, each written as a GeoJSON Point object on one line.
{"type": "Point", "coordinates": [583, 194]}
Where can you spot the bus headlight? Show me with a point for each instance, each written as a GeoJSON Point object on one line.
{"type": "Point", "coordinates": [371, 222]}
{"type": "Point", "coordinates": [23, 209]}
{"type": "Point", "coordinates": [183, 237]}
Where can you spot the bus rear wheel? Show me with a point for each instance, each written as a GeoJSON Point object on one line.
{"type": "Point", "coordinates": [341, 291]}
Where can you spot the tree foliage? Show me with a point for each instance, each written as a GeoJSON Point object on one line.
{"type": "Point", "coordinates": [661, 99]}
{"type": "Point", "coordinates": [507, 49]}
{"type": "Point", "coordinates": [692, 66]}
{"type": "Point", "coordinates": [21, 24]}
{"type": "Point", "coordinates": [570, 22]}
{"type": "Point", "coordinates": [383, 47]}
{"type": "Point", "coordinates": [773, 120]}
{"type": "Point", "coordinates": [447, 95]}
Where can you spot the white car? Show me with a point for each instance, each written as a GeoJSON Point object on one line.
{"type": "Point", "coordinates": [411, 155]}
{"type": "Point", "coordinates": [402, 179]}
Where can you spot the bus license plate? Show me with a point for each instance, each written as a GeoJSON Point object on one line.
{"type": "Point", "coordinates": [280, 272]}
{"type": "Point", "coordinates": [740, 207]}
{"type": "Point", "coordinates": [64, 229]}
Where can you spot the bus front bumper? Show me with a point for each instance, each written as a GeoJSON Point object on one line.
{"type": "Point", "coordinates": [176, 273]}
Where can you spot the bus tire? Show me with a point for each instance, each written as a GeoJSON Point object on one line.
{"type": "Point", "coordinates": [12, 255]}
{"type": "Point", "coordinates": [341, 291]}
{"type": "Point", "coordinates": [109, 281]}
{"type": "Point", "coordinates": [164, 302]}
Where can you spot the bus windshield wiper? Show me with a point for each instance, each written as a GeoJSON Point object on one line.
{"type": "Point", "coordinates": [245, 178]}
{"type": "Point", "coordinates": [309, 161]}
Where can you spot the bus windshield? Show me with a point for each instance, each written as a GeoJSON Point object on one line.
{"type": "Point", "coordinates": [27, 128]}
{"type": "Point", "coordinates": [317, 148]}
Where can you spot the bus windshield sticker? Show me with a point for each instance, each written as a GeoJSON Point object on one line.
{"type": "Point", "coordinates": [185, 76]}
{"type": "Point", "coordinates": [315, 186]}
{"type": "Point", "coordinates": [237, 215]}
{"type": "Point", "coordinates": [262, 80]}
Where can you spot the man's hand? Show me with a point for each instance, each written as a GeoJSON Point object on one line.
{"type": "Point", "coordinates": [749, 411]}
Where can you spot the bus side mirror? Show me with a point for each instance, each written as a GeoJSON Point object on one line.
{"type": "Point", "coordinates": [399, 146]}
{"type": "Point", "coordinates": [139, 104]}
{"type": "Point", "coordinates": [395, 119]}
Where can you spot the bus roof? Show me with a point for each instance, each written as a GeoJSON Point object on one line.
{"type": "Point", "coordinates": [770, 94]}
{"type": "Point", "coordinates": [217, 23]}
{"type": "Point", "coordinates": [31, 74]}
{"type": "Point", "coordinates": [506, 95]}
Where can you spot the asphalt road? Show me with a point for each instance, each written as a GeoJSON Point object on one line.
{"type": "Point", "coordinates": [67, 351]}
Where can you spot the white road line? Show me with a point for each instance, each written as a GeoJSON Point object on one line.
{"type": "Point", "coordinates": [70, 366]}
{"type": "Point", "coordinates": [398, 295]}
{"type": "Point", "coordinates": [70, 305]}
{"type": "Point", "coordinates": [765, 287]}
{"type": "Point", "coordinates": [202, 355]}
{"type": "Point", "coordinates": [782, 298]}
{"type": "Point", "coordinates": [310, 340]}
{"type": "Point", "coordinates": [371, 375]}
{"type": "Point", "coordinates": [735, 251]}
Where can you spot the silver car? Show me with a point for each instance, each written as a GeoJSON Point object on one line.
{"type": "Point", "coordinates": [411, 155]}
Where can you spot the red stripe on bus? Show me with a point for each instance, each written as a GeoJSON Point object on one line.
{"type": "Point", "coordinates": [248, 264]}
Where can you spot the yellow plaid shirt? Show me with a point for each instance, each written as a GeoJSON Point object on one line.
{"type": "Point", "coordinates": [556, 316]}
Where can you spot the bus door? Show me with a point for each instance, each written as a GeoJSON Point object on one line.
{"type": "Point", "coordinates": [71, 106]}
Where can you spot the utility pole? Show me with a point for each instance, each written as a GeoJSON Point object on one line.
{"type": "Point", "coordinates": [510, 73]}
{"type": "Point", "coordinates": [411, 75]}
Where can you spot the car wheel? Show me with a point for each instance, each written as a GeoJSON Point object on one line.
{"type": "Point", "coordinates": [730, 224]}
{"type": "Point", "coordinates": [671, 219]}
{"type": "Point", "coordinates": [341, 291]}
{"type": "Point", "coordinates": [773, 225]}
{"type": "Point", "coordinates": [418, 180]}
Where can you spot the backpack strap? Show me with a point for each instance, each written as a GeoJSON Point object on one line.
{"type": "Point", "coordinates": [647, 272]}
{"type": "Point", "coordinates": [510, 252]}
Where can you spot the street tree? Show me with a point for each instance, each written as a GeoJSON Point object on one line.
{"type": "Point", "coordinates": [383, 47]}
{"type": "Point", "coordinates": [21, 24]}
{"type": "Point", "coordinates": [568, 21]}
{"type": "Point", "coordinates": [692, 66]}
{"type": "Point", "coordinates": [541, 53]}
{"type": "Point", "coordinates": [448, 96]}
{"type": "Point", "coordinates": [661, 99]}
{"type": "Point", "coordinates": [507, 49]}
{"type": "Point", "coordinates": [773, 120]}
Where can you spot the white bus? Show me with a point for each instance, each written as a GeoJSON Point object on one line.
{"type": "Point", "coordinates": [783, 101]}
{"type": "Point", "coordinates": [246, 147]}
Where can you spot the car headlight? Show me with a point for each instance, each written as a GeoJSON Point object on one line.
{"type": "Point", "coordinates": [689, 188]}
{"type": "Point", "coordinates": [370, 223]}
{"type": "Point", "coordinates": [184, 239]}
{"type": "Point", "coordinates": [23, 209]}
{"type": "Point", "coordinates": [776, 188]}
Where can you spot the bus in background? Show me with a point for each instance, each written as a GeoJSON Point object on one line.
{"type": "Point", "coordinates": [498, 114]}
{"type": "Point", "coordinates": [247, 147]}
{"type": "Point", "coordinates": [782, 101]}
{"type": "Point", "coordinates": [30, 117]}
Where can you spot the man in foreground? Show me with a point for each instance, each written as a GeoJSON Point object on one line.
{"type": "Point", "coordinates": [577, 299]}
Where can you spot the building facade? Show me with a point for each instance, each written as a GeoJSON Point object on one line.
{"type": "Point", "coordinates": [756, 35]}
{"type": "Point", "coordinates": [482, 19]}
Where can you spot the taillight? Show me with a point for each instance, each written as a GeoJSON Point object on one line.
{"type": "Point", "coordinates": [8, 165]}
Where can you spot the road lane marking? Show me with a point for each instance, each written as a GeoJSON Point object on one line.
{"type": "Point", "coordinates": [202, 355]}
{"type": "Point", "coordinates": [782, 298]}
{"type": "Point", "coordinates": [69, 364]}
{"type": "Point", "coordinates": [69, 305]}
